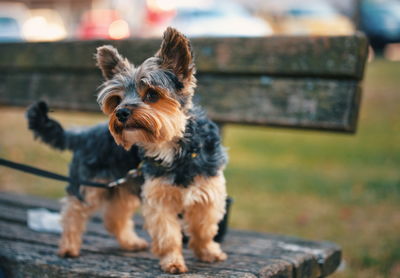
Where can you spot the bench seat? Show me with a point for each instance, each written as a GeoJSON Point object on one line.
{"type": "Point", "coordinates": [27, 253]}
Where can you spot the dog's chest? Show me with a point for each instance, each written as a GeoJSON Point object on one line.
{"type": "Point", "coordinates": [200, 154]}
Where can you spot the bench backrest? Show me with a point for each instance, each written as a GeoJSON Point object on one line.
{"type": "Point", "coordinates": [300, 82]}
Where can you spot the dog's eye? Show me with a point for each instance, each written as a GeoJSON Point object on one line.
{"type": "Point", "coordinates": [152, 96]}
{"type": "Point", "coordinates": [112, 102]}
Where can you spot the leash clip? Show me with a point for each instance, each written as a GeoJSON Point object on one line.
{"type": "Point", "coordinates": [134, 173]}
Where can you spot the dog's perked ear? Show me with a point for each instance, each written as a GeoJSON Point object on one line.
{"type": "Point", "coordinates": [176, 54]}
{"type": "Point", "coordinates": [110, 61]}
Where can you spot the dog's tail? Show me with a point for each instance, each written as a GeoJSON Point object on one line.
{"type": "Point", "coordinates": [47, 129]}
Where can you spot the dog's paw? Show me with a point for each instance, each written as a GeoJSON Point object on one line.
{"type": "Point", "coordinates": [135, 244]}
{"type": "Point", "coordinates": [175, 268]}
{"type": "Point", "coordinates": [211, 257]}
{"type": "Point", "coordinates": [68, 252]}
{"type": "Point", "coordinates": [211, 253]}
{"type": "Point", "coordinates": [69, 246]}
{"type": "Point", "coordinates": [173, 264]}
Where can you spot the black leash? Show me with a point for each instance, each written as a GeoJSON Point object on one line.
{"type": "Point", "coordinates": [43, 173]}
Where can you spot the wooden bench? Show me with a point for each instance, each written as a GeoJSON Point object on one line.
{"type": "Point", "coordinates": [26, 253]}
{"type": "Point", "coordinates": [296, 82]}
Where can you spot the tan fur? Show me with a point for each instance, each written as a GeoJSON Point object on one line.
{"type": "Point", "coordinates": [164, 151]}
{"type": "Point", "coordinates": [74, 215]}
{"type": "Point", "coordinates": [161, 123]}
{"type": "Point", "coordinates": [203, 204]}
{"type": "Point", "coordinates": [119, 205]}
{"type": "Point", "coordinates": [118, 220]}
{"type": "Point", "coordinates": [163, 127]}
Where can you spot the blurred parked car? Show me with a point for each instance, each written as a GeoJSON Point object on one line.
{"type": "Point", "coordinates": [315, 18]}
{"type": "Point", "coordinates": [157, 16]}
{"type": "Point", "coordinates": [44, 25]}
{"type": "Point", "coordinates": [380, 20]}
{"type": "Point", "coordinates": [219, 18]}
{"type": "Point", "coordinates": [103, 24]}
{"type": "Point", "coordinates": [12, 17]}
{"type": "Point", "coordinates": [10, 30]}
{"type": "Point", "coordinates": [203, 18]}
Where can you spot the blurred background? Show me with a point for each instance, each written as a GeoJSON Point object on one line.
{"type": "Point", "coordinates": [52, 20]}
{"type": "Point", "coordinates": [321, 186]}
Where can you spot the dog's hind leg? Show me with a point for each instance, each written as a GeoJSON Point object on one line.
{"type": "Point", "coordinates": [74, 216]}
{"type": "Point", "coordinates": [118, 213]}
{"type": "Point", "coordinates": [204, 208]}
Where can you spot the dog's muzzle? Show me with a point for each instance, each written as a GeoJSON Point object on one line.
{"type": "Point", "coordinates": [123, 114]}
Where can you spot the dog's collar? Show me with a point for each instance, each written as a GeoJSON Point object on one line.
{"type": "Point", "coordinates": [158, 163]}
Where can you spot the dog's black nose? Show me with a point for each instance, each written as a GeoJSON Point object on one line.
{"type": "Point", "coordinates": [123, 114]}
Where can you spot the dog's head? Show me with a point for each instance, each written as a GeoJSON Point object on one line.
{"type": "Point", "coordinates": [148, 103]}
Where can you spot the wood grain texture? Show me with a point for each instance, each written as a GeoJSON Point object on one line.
{"type": "Point", "coordinates": [310, 103]}
{"type": "Point", "coordinates": [26, 253]}
{"type": "Point", "coordinates": [341, 56]}
{"type": "Point", "coordinates": [298, 82]}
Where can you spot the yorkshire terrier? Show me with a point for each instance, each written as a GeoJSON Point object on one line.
{"type": "Point", "coordinates": [176, 147]}
{"type": "Point", "coordinates": [96, 157]}
{"type": "Point", "coordinates": [150, 106]}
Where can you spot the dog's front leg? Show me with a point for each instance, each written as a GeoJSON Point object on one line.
{"type": "Point", "coordinates": [204, 208]}
{"type": "Point", "coordinates": [161, 205]}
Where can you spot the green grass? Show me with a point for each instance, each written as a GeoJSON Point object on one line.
{"type": "Point", "coordinates": [328, 186]}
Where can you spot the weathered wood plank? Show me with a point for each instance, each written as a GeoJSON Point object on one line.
{"type": "Point", "coordinates": [239, 242]}
{"type": "Point", "coordinates": [300, 82]}
{"type": "Point", "coordinates": [310, 103]}
{"type": "Point", "coordinates": [328, 254]}
{"type": "Point", "coordinates": [19, 215]}
{"type": "Point", "coordinates": [262, 255]}
{"type": "Point", "coordinates": [97, 240]}
{"type": "Point", "coordinates": [240, 262]}
{"type": "Point", "coordinates": [13, 208]}
{"type": "Point", "coordinates": [27, 201]}
{"type": "Point", "coordinates": [106, 249]}
{"type": "Point", "coordinates": [342, 56]}
{"type": "Point", "coordinates": [24, 259]}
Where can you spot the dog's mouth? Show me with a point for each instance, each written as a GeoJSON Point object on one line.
{"type": "Point", "coordinates": [136, 126]}
{"type": "Point", "coordinates": [132, 126]}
